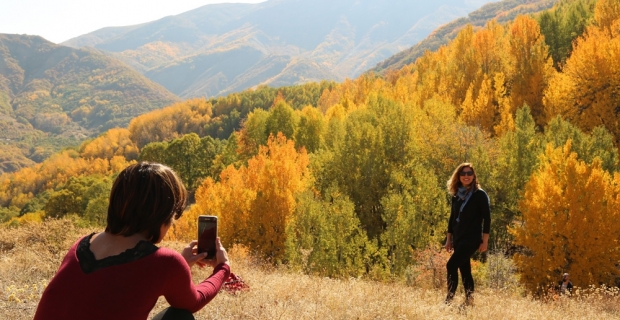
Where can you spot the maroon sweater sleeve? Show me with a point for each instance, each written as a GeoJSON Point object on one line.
{"type": "Point", "coordinates": [180, 291]}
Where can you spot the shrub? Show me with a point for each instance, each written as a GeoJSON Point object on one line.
{"type": "Point", "coordinates": [502, 272]}
{"type": "Point", "coordinates": [429, 270]}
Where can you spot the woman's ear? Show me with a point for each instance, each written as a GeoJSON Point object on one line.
{"type": "Point", "coordinates": [163, 230]}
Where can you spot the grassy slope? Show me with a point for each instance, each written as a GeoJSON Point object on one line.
{"type": "Point", "coordinates": [30, 255]}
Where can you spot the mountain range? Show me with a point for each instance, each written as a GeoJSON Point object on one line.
{"type": "Point", "coordinates": [222, 48]}
{"type": "Point", "coordinates": [52, 96]}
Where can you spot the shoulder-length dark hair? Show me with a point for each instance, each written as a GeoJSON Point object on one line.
{"type": "Point", "coordinates": [144, 197]}
{"type": "Point", "coordinates": [455, 182]}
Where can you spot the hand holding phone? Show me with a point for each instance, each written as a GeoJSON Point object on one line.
{"type": "Point", "coordinates": [191, 256]}
{"type": "Point", "coordinates": [221, 256]}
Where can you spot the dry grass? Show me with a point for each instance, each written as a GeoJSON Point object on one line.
{"type": "Point", "coordinates": [30, 255]}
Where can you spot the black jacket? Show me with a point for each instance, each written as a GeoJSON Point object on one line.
{"type": "Point", "coordinates": [474, 220]}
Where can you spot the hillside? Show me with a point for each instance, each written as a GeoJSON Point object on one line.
{"type": "Point", "coordinates": [502, 11]}
{"type": "Point", "coordinates": [219, 49]}
{"type": "Point", "coordinates": [278, 293]}
{"type": "Point", "coordinates": [53, 96]}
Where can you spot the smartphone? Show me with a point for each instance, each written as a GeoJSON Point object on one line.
{"type": "Point", "coordinates": [207, 232]}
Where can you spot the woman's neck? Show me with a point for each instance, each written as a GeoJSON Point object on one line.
{"type": "Point", "coordinates": [106, 244]}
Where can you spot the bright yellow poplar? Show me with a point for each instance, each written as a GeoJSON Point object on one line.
{"type": "Point", "coordinates": [569, 223]}
{"type": "Point", "coordinates": [277, 174]}
{"type": "Point", "coordinates": [114, 142]}
{"type": "Point", "coordinates": [253, 203]}
{"type": "Point", "coordinates": [586, 91]}
{"type": "Point", "coordinates": [532, 64]}
{"type": "Point", "coordinates": [481, 110]}
{"type": "Point", "coordinates": [171, 122]}
{"type": "Point", "coordinates": [606, 12]}
{"type": "Point", "coordinates": [230, 199]}
{"type": "Point", "coordinates": [17, 188]}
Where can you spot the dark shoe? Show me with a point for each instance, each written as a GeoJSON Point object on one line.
{"type": "Point", "coordinates": [469, 301]}
{"type": "Point", "coordinates": [449, 298]}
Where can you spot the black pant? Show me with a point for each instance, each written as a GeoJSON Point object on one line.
{"type": "Point", "coordinates": [460, 260]}
{"type": "Point", "coordinates": [174, 314]}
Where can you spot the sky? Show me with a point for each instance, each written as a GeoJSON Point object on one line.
{"type": "Point", "coordinates": [61, 20]}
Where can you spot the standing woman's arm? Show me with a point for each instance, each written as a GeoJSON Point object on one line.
{"type": "Point", "coordinates": [485, 208]}
{"type": "Point", "coordinates": [485, 242]}
{"type": "Point", "coordinates": [448, 244]}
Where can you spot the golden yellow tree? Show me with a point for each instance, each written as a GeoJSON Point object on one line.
{"type": "Point", "coordinates": [114, 142]}
{"type": "Point", "coordinates": [328, 98]}
{"type": "Point", "coordinates": [277, 173]}
{"type": "Point", "coordinates": [569, 223]}
{"type": "Point", "coordinates": [506, 121]}
{"type": "Point", "coordinates": [586, 91]}
{"type": "Point", "coordinates": [532, 64]}
{"type": "Point", "coordinates": [17, 188]}
{"type": "Point", "coordinates": [230, 199]}
{"type": "Point", "coordinates": [483, 103]}
{"type": "Point", "coordinates": [606, 12]}
{"type": "Point", "coordinates": [480, 111]}
{"type": "Point", "coordinates": [253, 203]}
{"type": "Point", "coordinates": [490, 45]}
{"type": "Point", "coordinates": [171, 122]}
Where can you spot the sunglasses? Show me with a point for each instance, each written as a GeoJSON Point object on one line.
{"type": "Point", "coordinates": [466, 173]}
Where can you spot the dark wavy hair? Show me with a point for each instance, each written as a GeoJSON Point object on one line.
{"type": "Point", "coordinates": [455, 182]}
{"type": "Point", "coordinates": [144, 197]}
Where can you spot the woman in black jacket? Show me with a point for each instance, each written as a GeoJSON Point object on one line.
{"type": "Point", "coordinates": [468, 228]}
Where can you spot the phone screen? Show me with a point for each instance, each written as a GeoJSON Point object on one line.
{"type": "Point", "coordinates": [207, 232]}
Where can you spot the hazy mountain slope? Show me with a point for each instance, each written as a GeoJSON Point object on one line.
{"type": "Point", "coordinates": [52, 96]}
{"type": "Point", "coordinates": [202, 52]}
{"type": "Point", "coordinates": [502, 11]}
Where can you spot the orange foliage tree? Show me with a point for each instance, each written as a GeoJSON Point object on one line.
{"type": "Point", "coordinates": [253, 203]}
{"type": "Point", "coordinates": [569, 223]}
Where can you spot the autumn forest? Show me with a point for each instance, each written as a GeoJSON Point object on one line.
{"type": "Point", "coordinates": [349, 179]}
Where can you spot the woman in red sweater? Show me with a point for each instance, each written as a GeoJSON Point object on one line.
{"type": "Point", "coordinates": [120, 273]}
